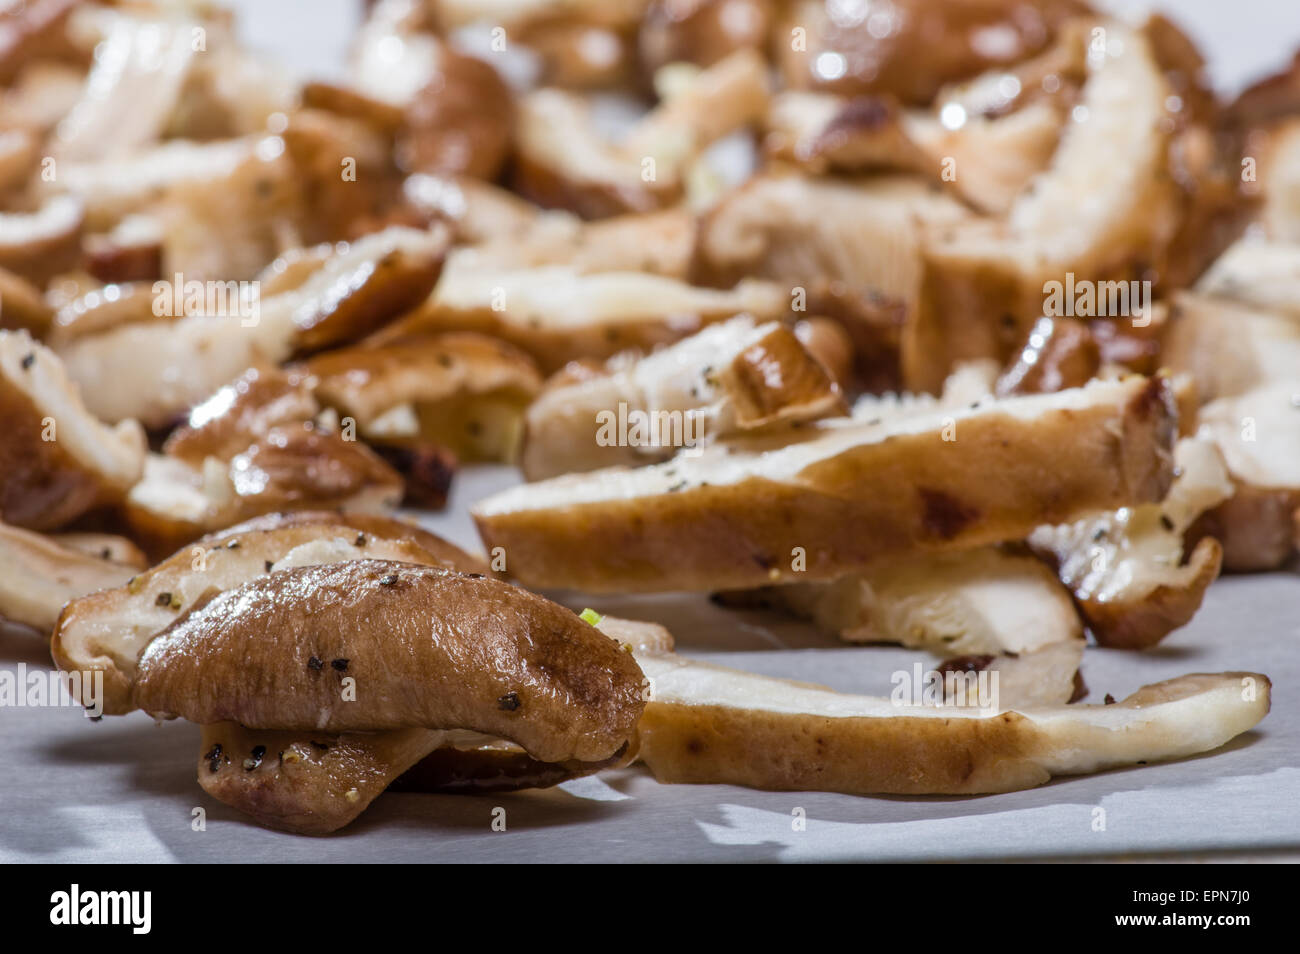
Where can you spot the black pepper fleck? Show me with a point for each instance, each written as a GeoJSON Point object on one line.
{"type": "Point", "coordinates": [29, 360]}
{"type": "Point", "coordinates": [388, 580]}
{"type": "Point", "coordinates": [255, 758]}
{"type": "Point", "coordinates": [269, 564]}
{"type": "Point", "coordinates": [509, 702]}
{"type": "Point", "coordinates": [315, 664]}
{"type": "Point", "coordinates": [340, 665]}
{"type": "Point", "coordinates": [361, 540]}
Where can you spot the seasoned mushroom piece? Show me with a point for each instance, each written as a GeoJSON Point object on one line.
{"type": "Point", "coordinates": [460, 391]}
{"type": "Point", "coordinates": [425, 647]}
{"type": "Point", "coordinates": [107, 631]}
{"type": "Point", "coordinates": [734, 515]}
{"type": "Point", "coordinates": [737, 376]}
{"type": "Point", "coordinates": [57, 461]}
{"type": "Point", "coordinates": [299, 466]}
{"type": "Point", "coordinates": [39, 574]}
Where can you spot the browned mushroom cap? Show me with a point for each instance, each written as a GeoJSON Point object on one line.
{"type": "Point", "coordinates": [914, 47]}
{"type": "Point", "coordinates": [21, 305]}
{"type": "Point", "coordinates": [289, 467]}
{"type": "Point", "coordinates": [701, 31]}
{"type": "Point", "coordinates": [460, 391]}
{"type": "Point", "coordinates": [41, 244]}
{"type": "Point", "coordinates": [240, 413]}
{"type": "Point", "coordinates": [1059, 353]}
{"type": "Point", "coordinates": [56, 460]}
{"type": "Point", "coordinates": [32, 30]}
{"type": "Point", "coordinates": [426, 647]}
{"type": "Point", "coordinates": [107, 631]}
{"type": "Point", "coordinates": [460, 122]}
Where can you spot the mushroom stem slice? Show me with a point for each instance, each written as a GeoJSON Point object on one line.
{"type": "Point", "coordinates": [707, 724]}
{"type": "Point", "coordinates": [375, 644]}
{"type": "Point", "coordinates": [842, 495]}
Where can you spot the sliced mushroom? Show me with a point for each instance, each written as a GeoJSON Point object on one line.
{"type": "Point", "coordinates": [44, 243]}
{"type": "Point", "coordinates": [1048, 676]}
{"type": "Point", "coordinates": [563, 162]}
{"type": "Point", "coordinates": [1128, 570]}
{"type": "Point", "coordinates": [557, 314]}
{"type": "Point", "coordinates": [460, 391]}
{"type": "Point", "coordinates": [297, 466]}
{"type": "Point", "coordinates": [732, 516]}
{"type": "Point", "coordinates": [39, 574]}
{"type": "Point", "coordinates": [106, 632]}
{"type": "Point", "coordinates": [241, 412]}
{"type": "Point", "coordinates": [318, 782]}
{"type": "Point", "coordinates": [707, 724]}
{"type": "Point", "coordinates": [737, 376]}
{"type": "Point", "coordinates": [58, 461]}
{"type": "Point", "coordinates": [984, 601]}
{"type": "Point", "coordinates": [427, 648]}
{"type": "Point", "coordinates": [1258, 435]}
{"type": "Point", "coordinates": [911, 48]}
{"type": "Point", "coordinates": [22, 306]}
{"type": "Point", "coordinates": [994, 275]}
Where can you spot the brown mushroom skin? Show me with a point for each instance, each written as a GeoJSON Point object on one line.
{"type": "Point", "coordinates": [42, 486]}
{"type": "Point", "coordinates": [425, 647]}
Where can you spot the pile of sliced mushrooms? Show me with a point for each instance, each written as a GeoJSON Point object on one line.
{"type": "Point", "coordinates": [254, 327]}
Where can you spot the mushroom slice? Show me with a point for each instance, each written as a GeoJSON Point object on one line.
{"type": "Point", "coordinates": [107, 631]}
{"type": "Point", "coordinates": [985, 271]}
{"type": "Point", "coordinates": [314, 783]}
{"type": "Point", "coordinates": [977, 602]}
{"type": "Point", "coordinates": [563, 162]}
{"type": "Point", "coordinates": [59, 461]}
{"type": "Point", "coordinates": [41, 244]}
{"type": "Point", "coordinates": [135, 84]}
{"type": "Point", "coordinates": [731, 377]}
{"type": "Point", "coordinates": [1047, 676]}
{"type": "Point", "coordinates": [1126, 568]}
{"type": "Point", "coordinates": [460, 391]}
{"type": "Point", "coordinates": [1260, 274]}
{"type": "Point", "coordinates": [707, 724]}
{"type": "Point", "coordinates": [422, 648]}
{"type": "Point", "coordinates": [557, 314]}
{"type": "Point", "coordinates": [291, 467]}
{"type": "Point", "coordinates": [39, 574]}
{"type": "Point", "coordinates": [916, 48]}
{"type": "Point", "coordinates": [34, 29]}
{"type": "Point", "coordinates": [799, 229]}
{"type": "Point", "coordinates": [1258, 435]}
{"type": "Point", "coordinates": [1229, 348]}
{"type": "Point", "coordinates": [240, 413]}
{"type": "Point", "coordinates": [111, 188]}
{"type": "Point", "coordinates": [849, 492]}
{"type": "Point", "coordinates": [22, 306]}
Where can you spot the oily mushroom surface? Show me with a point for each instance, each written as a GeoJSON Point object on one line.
{"type": "Point", "coordinates": [426, 647]}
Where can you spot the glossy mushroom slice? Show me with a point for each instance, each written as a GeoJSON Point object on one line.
{"type": "Point", "coordinates": [979, 602]}
{"type": "Point", "coordinates": [314, 783]}
{"type": "Point", "coordinates": [57, 460]}
{"type": "Point", "coordinates": [557, 314]}
{"type": "Point", "coordinates": [107, 631]}
{"type": "Point", "coordinates": [1257, 433]}
{"type": "Point", "coordinates": [22, 307]}
{"type": "Point", "coordinates": [737, 376]}
{"type": "Point", "coordinates": [39, 574]}
{"type": "Point", "coordinates": [460, 391]}
{"type": "Point", "coordinates": [406, 646]}
{"type": "Point", "coordinates": [985, 271]}
{"type": "Point", "coordinates": [840, 494]}
{"type": "Point", "coordinates": [917, 46]}
{"type": "Point", "coordinates": [707, 724]}
{"type": "Point", "coordinates": [1131, 575]}
{"type": "Point", "coordinates": [41, 244]}
{"type": "Point", "coordinates": [563, 162]}
{"type": "Point", "coordinates": [299, 466]}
